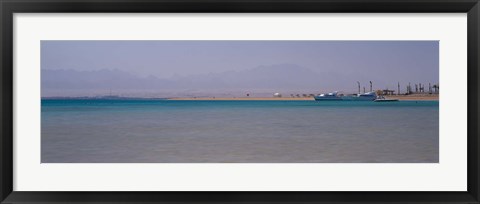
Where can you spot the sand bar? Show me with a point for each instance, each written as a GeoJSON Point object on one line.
{"type": "Point", "coordinates": [413, 97]}
{"type": "Point", "coordinates": [433, 97]}
{"type": "Point", "coordinates": [244, 99]}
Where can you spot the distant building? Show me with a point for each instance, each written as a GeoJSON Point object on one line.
{"type": "Point", "coordinates": [388, 92]}
{"type": "Point", "coordinates": [277, 95]}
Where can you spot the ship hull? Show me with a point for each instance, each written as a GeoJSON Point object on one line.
{"type": "Point", "coordinates": [355, 98]}
{"type": "Point", "coordinates": [327, 99]}
{"type": "Point", "coordinates": [386, 100]}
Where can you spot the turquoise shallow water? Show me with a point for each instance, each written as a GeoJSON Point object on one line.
{"type": "Point", "coordinates": [146, 131]}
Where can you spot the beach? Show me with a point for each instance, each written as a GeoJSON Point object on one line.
{"type": "Point", "coordinates": [416, 97]}
{"type": "Point", "coordinates": [412, 97]}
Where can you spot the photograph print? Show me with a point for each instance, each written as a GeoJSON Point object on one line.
{"type": "Point", "coordinates": [239, 101]}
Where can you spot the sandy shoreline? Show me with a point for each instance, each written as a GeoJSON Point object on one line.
{"type": "Point", "coordinates": [416, 97]}
{"type": "Point", "coordinates": [400, 97]}
{"type": "Point", "coordinates": [243, 99]}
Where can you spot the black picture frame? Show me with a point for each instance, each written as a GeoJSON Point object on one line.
{"type": "Point", "coordinates": [9, 7]}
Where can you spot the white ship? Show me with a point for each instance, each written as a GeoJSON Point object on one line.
{"type": "Point", "coordinates": [334, 96]}
{"type": "Point", "coordinates": [383, 99]}
{"type": "Point", "coordinates": [369, 96]}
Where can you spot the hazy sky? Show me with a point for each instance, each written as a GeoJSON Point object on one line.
{"type": "Point", "coordinates": [404, 61]}
{"type": "Point", "coordinates": [166, 58]}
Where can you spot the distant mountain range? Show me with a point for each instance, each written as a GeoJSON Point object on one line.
{"type": "Point", "coordinates": [282, 77]}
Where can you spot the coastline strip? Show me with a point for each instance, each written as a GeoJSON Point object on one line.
{"type": "Point", "coordinates": [400, 97]}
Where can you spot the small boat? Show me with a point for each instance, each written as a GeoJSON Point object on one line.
{"type": "Point", "coordinates": [334, 96]}
{"type": "Point", "coordinates": [383, 99]}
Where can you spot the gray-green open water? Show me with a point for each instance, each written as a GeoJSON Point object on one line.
{"type": "Point", "coordinates": [151, 131]}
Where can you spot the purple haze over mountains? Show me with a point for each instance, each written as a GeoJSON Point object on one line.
{"type": "Point", "coordinates": [232, 68]}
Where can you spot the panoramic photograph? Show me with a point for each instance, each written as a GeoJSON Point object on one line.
{"type": "Point", "coordinates": [239, 101]}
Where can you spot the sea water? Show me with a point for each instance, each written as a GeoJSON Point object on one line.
{"type": "Point", "coordinates": [160, 131]}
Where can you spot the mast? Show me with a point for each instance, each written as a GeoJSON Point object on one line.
{"type": "Point", "coordinates": [358, 87]}
{"type": "Point", "coordinates": [398, 87]}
